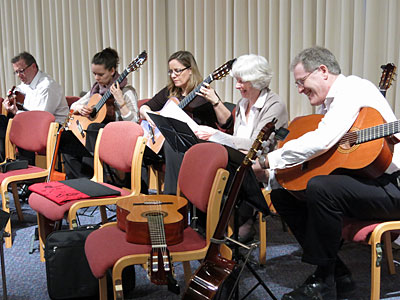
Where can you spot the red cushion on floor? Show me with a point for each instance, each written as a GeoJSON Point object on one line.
{"type": "Point", "coordinates": [106, 245]}
{"type": "Point", "coordinates": [54, 211]}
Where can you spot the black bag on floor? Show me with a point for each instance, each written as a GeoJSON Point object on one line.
{"type": "Point", "coordinates": [68, 272]}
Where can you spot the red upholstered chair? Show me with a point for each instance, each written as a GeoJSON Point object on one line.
{"type": "Point", "coordinates": [71, 99]}
{"type": "Point", "coordinates": [202, 179]}
{"type": "Point", "coordinates": [373, 233]}
{"type": "Point", "coordinates": [121, 146]}
{"type": "Point", "coordinates": [33, 131]}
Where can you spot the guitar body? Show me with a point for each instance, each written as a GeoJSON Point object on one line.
{"type": "Point", "coordinates": [78, 124]}
{"type": "Point", "coordinates": [132, 217]}
{"type": "Point", "coordinates": [368, 159]}
{"type": "Point", "coordinates": [207, 279]}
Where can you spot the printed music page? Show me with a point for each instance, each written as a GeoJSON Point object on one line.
{"type": "Point", "coordinates": [172, 110]}
{"type": "Point", "coordinates": [222, 138]}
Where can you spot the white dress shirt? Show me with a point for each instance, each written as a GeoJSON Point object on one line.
{"type": "Point", "coordinates": [45, 94]}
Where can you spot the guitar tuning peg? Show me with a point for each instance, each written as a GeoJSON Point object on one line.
{"type": "Point", "coordinates": [259, 152]}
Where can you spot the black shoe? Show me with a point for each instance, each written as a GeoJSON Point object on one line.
{"type": "Point", "coordinates": [313, 288]}
{"type": "Point", "coordinates": [345, 286]}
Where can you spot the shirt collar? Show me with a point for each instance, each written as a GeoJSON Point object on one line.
{"type": "Point", "coordinates": [35, 80]}
{"type": "Point", "coordinates": [262, 98]}
{"type": "Point", "coordinates": [333, 91]}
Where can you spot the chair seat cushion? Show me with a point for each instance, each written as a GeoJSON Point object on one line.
{"type": "Point", "coordinates": [360, 230]}
{"type": "Point", "coordinates": [53, 211]}
{"type": "Point", "coordinates": [106, 245]}
{"type": "Point", "coordinates": [29, 170]}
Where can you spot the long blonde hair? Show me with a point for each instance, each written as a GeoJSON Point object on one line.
{"type": "Point", "coordinates": [185, 58]}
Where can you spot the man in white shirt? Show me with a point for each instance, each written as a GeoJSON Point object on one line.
{"type": "Point", "coordinates": [41, 92]}
{"type": "Point", "coordinates": [316, 218]}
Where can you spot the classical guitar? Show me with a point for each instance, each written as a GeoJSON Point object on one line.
{"type": "Point", "coordinates": [387, 77]}
{"type": "Point", "coordinates": [158, 221]}
{"type": "Point", "coordinates": [362, 151]}
{"type": "Point", "coordinates": [155, 139]}
{"type": "Point", "coordinates": [214, 269]}
{"type": "Point", "coordinates": [78, 124]}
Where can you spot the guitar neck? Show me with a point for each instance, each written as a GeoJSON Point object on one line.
{"type": "Point", "coordinates": [156, 230]}
{"type": "Point", "coordinates": [192, 94]}
{"type": "Point", "coordinates": [108, 94]}
{"type": "Point", "coordinates": [373, 133]}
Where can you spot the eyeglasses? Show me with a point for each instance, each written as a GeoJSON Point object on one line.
{"type": "Point", "coordinates": [21, 71]}
{"type": "Point", "coordinates": [302, 81]}
{"type": "Point", "coordinates": [177, 72]}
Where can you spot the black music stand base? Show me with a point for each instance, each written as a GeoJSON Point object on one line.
{"type": "Point", "coordinates": [243, 262]}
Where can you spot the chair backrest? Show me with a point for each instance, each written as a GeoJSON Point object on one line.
{"type": "Point", "coordinates": [199, 167]}
{"type": "Point", "coordinates": [120, 145]}
{"type": "Point", "coordinates": [71, 99]}
{"type": "Point", "coordinates": [30, 130]}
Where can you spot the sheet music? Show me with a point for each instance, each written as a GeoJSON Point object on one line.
{"type": "Point", "coordinates": [172, 110]}
{"type": "Point", "coordinates": [222, 138]}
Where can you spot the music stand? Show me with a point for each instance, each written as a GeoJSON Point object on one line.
{"type": "Point", "coordinates": [4, 217]}
{"type": "Point", "coordinates": [177, 133]}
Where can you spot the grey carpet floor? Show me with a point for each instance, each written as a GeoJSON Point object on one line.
{"type": "Point", "coordinates": [26, 275]}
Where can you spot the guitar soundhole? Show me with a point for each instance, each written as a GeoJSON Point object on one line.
{"type": "Point", "coordinates": [348, 142]}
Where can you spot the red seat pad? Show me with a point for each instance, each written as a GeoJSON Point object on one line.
{"type": "Point", "coordinates": [105, 246]}
{"type": "Point", "coordinates": [53, 211]}
{"type": "Point", "coordinates": [29, 170]}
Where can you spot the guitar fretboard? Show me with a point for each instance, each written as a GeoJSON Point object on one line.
{"type": "Point", "coordinates": [108, 94]}
{"type": "Point", "coordinates": [371, 133]}
{"type": "Point", "coordinates": [192, 94]}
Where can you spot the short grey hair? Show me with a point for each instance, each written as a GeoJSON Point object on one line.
{"type": "Point", "coordinates": [253, 68]}
{"type": "Point", "coordinates": [312, 58]}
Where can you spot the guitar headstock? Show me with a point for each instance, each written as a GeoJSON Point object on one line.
{"type": "Point", "coordinates": [263, 135]}
{"type": "Point", "coordinates": [388, 74]}
{"type": "Point", "coordinates": [223, 70]}
{"type": "Point", "coordinates": [137, 62]}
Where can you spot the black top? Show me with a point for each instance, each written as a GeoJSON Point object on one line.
{"type": "Point", "coordinates": [200, 110]}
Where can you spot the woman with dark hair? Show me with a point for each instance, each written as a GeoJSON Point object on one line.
{"type": "Point", "coordinates": [183, 77]}
{"type": "Point", "coordinates": [78, 159]}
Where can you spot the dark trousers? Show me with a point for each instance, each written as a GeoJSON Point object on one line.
{"type": "Point", "coordinates": [316, 220]}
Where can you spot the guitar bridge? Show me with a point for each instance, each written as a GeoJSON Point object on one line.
{"type": "Point", "coordinates": [78, 124]}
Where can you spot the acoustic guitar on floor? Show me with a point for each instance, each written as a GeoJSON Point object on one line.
{"type": "Point", "coordinates": [78, 124]}
{"type": "Point", "coordinates": [155, 139]}
{"type": "Point", "coordinates": [365, 150]}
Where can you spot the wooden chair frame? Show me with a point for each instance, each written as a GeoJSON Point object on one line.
{"type": "Point", "coordinates": [10, 152]}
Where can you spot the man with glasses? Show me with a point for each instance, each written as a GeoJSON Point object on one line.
{"type": "Point", "coordinates": [316, 218]}
{"type": "Point", "coordinates": [40, 91]}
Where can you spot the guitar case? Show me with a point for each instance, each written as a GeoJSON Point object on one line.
{"type": "Point", "coordinates": [67, 269]}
